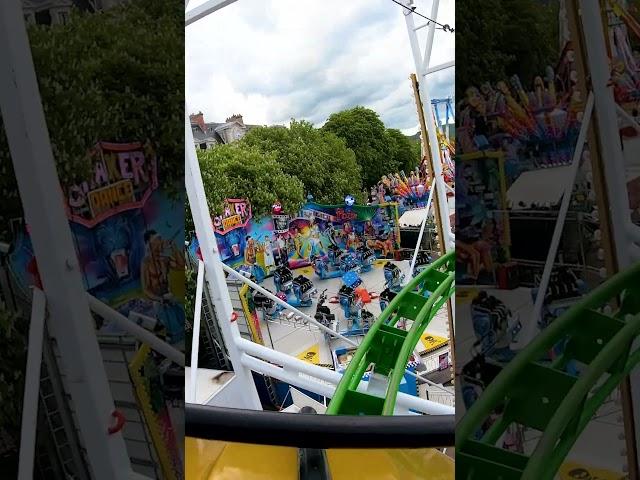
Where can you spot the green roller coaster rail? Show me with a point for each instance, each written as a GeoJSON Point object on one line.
{"type": "Point", "coordinates": [541, 395]}
{"type": "Point", "coordinates": [388, 348]}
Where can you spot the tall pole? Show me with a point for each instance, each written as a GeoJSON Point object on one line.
{"type": "Point", "coordinates": [69, 321]}
{"type": "Point", "coordinates": [425, 110]}
{"type": "Point", "coordinates": [425, 107]}
{"type": "Point", "coordinates": [443, 235]}
{"type": "Point", "coordinates": [216, 282]}
{"type": "Point", "coordinates": [592, 61]}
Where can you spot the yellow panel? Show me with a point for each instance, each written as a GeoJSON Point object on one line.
{"type": "Point", "coordinates": [571, 470]}
{"type": "Point", "coordinates": [211, 460]}
{"type": "Point", "coordinates": [433, 342]}
{"type": "Point", "coordinates": [311, 354]}
{"type": "Point", "coordinates": [416, 464]}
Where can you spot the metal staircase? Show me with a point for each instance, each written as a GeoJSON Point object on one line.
{"type": "Point", "coordinates": [214, 349]}
{"type": "Point", "coordinates": [56, 411]}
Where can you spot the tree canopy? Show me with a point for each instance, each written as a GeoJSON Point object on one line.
{"type": "Point", "coordinates": [101, 78]}
{"type": "Point", "coordinates": [320, 160]}
{"type": "Point", "coordinates": [501, 38]}
{"type": "Point", "coordinates": [365, 134]}
{"type": "Point", "coordinates": [403, 150]}
{"type": "Point", "coordinates": [242, 171]}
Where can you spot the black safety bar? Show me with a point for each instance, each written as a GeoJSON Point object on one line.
{"type": "Point", "coordinates": [318, 431]}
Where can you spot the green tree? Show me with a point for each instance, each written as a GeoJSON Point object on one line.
{"type": "Point", "coordinates": [500, 38]}
{"type": "Point", "coordinates": [365, 134]}
{"type": "Point", "coordinates": [320, 160]}
{"type": "Point", "coordinates": [242, 171]}
{"type": "Point", "coordinates": [117, 88]}
{"type": "Point", "coordinates": [416, 146]}
{"type": "Point", "coordinates": [403, 152]}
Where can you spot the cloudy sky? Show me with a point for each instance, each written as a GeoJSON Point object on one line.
{"type": "Point", "coordinates": [273, 60]}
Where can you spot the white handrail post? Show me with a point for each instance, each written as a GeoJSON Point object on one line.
{"type": "Point", "coordinates": [529, 329]}
{"type": "Point", "coordinates": [422, 227]}
{"type": "Point", "coordinates": [213, 268]}
{"type": "Point", "coordinates": [135, 330]}
{"type": "Point", "coordinates": [421, 65]}
{"type": "Point", "coordinates": [195, 341]}
{"type": "Point", "coordinates": [29, 423]}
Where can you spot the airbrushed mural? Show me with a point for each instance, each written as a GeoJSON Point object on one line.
{"type": "Point", "coordinates": [263, 244]}
{"type": "Point", "coordinates": [128, 235]}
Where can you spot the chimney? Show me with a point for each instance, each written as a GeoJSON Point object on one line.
{"type": "Point", "coordinates": [198, 119]}
{"type": "Point", "coordinates": [236, 117]}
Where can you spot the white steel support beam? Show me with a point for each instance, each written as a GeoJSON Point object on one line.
{"type": "Point", "coordinates": [30, 402]}
{"type": "Point", "coordinates": [293, 370]}
{"type": "Point", "coordinates": [135, 330]}
{"type": "Point", "coordinates": [442, 66]}
{"type": "Point", "coordinates": [70, 321]}
{"type": "Point", "coordinates": [624, 250]}
{"type": "Point", "coordinates": [430, 36]}
{"type": "Point", "coordinates": [608, 130]}
{"type": "Point", "coordinates": [421, 64]}
{"type": "Point", "coordinates": [195, 340]}
{"type": "Point", "coordinates": [530, 329]}
{"type": "Point", "coordinates": [201, 11]}
{"type": "Point", "coordinates": [216, 282]}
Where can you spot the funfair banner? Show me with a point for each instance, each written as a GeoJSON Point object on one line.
{"type": "Point", "coordinates": [262, 244]}
{"type": "Point", "coordinates": [122, 177]}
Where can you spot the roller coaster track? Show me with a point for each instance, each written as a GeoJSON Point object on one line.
{"type": "Point", "coordinates": [540, 394]}
{"type": "Point", "coordinates": [388, 348]}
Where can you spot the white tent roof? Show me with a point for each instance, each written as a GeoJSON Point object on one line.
{"type": "Point", "coordinates": [414, 218]}
{"type": "Point", "coordinates": [539, 186]}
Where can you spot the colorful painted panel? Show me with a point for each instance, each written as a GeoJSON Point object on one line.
{"type": "Point", "coordinates": [131, 256]}
{"type": "Point", "coordinates": [265, 243]}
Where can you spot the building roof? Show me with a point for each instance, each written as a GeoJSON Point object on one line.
{"type": "Point", "coordinates": [212, 131]}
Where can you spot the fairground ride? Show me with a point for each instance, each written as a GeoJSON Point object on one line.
{"type": "Point", "coordinates": [231, 431]}
{"type": "Point", "coordinates": [88, 426]}
{"type": "Point", "coordinates": [599, 332]}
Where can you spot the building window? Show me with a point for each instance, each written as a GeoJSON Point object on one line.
{"type": "Point", "coordinates": [203, 146]}
{"type": "Point", "coordinates": [63, 17]}
{"type": "Point", "coordinates": [28, 18]}
{"type": "Point", "coordinates": [43, 17]}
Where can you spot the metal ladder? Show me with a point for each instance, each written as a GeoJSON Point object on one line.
{"type": "Point", "coordinates": [213, 344]}
{"type": "Point", "coordinates": [56, 411]}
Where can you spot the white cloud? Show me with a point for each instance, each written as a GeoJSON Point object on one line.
{"type": "Point", "coordinates": [272, 60]}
